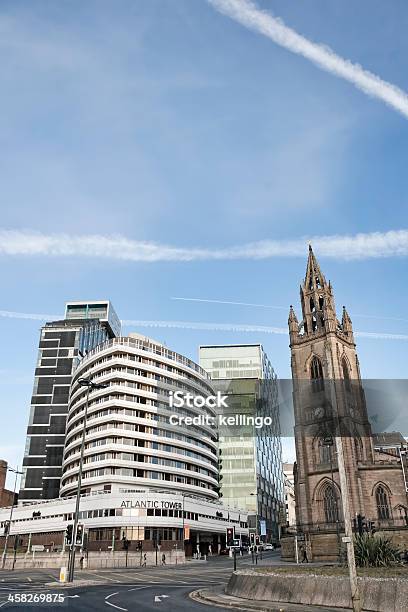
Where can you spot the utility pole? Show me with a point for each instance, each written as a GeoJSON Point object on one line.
{"type": "Point", "coordinates": [348, 531]}
{"type": "Point", "coordinates": [90, 385]}
{"type": "Point", "coordinates": [355, 591]}
{"type": "Point", "coordinates": [4, 556]}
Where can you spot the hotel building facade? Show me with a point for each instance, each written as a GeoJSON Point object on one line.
{"type": "Point", "coordinates": [144, 479]}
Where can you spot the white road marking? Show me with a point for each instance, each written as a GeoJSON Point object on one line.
{"type": "Point", "coordinates": [131, 577]}
{"type": "Point", "coordinates": [106, 577]}
{"type": "Point", "coordinates": [158, 598]}
{"type": "Point", "coordinates": [113, 605]}
{"type": "Point", "coordinates": [117, 607]}
{"type": "Point", "coordinates": [29, 579]}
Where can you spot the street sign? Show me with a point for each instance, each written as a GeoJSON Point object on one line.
{"type": "Point", "coordinates": [37, 548]}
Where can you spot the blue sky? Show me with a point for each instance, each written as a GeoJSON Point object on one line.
{"type": "Point", "coordinates": [168, 122]}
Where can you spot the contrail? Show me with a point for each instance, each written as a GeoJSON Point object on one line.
{"type": "Point", "coordinates": [116, 247]}
{"type": "Point", "coordinates": [208, 301]}
{"type": "Point", "coordinates": [184, 299]}
{"type": "Point", "coordinates": [264, 329]}
{"type": "Point", "coordinates": [231, 327]}
{"type": "Point", "coordinates": [251, 16]}
{"type": "Point", "coordinates": [234, 327]}
{"type": "Point", "coordinates": [9, 314]}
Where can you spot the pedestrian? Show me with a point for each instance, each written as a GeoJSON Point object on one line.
{"type": "Point", "coordinates": [304, 555]}
{"type": "Point", "coordinates": [81, 562]}
{"type": "Point", "coordinates": [163, 559]}
{"type": "Point", "coordinates": [144, 560]}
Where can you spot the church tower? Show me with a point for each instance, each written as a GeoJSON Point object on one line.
{"type": "Point", "coordinates": [328, 397]}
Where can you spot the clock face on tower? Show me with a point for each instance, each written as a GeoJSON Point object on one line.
{"type": "Point", "coordinates": [318, 412]}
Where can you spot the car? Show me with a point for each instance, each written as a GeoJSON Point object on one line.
{"type": "Point", "coordinates": [268, 546]}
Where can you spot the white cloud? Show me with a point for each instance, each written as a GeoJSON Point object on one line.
{"type": "Point", "coordinates": [248, 14]}
{"type": "Point", "coordinates": [347, 247]}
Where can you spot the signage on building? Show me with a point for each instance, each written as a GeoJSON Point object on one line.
{"type": "Point", "coordinates": [151, 503]}
{"type": "Point", "coordinates": [282, 517]}
{"type": "Point", "coordinates": [186, 532]}
{"type": "Point", "coordinates": [262, 527]}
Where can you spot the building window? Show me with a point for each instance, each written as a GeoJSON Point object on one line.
{"type": "Point", "coordinates": [330, 504]}
{"type": "Point", "coordinates": [325, 452]}
{"type": "Point", "coordinates": [346, 375]}
{"type": "Point", "coordinates": [383, 506]}
{"type": "Point", "coordinates": [316, 374]}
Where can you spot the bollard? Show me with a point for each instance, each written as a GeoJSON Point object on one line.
{"type": "Point", "coordinates": [63, 574]}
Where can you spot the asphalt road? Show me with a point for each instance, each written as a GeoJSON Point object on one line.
{"type": "Point", "coordinates": [141, 589]}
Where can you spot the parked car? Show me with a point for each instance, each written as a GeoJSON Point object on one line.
{"type": "Point", "coordinates": [268, 546]}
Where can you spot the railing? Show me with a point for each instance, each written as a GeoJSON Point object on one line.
{"type": "Point", "coordinates": [155, 349]}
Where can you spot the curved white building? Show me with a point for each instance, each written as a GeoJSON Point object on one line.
{"type": "Point", "coordinates": [130, 442]}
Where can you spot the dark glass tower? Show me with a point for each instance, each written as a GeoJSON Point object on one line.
{"type": "Point", "coordinates": [62, 343]}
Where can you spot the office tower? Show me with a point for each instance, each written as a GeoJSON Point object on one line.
{"type": "Point", "coordinates": [62, 344]}
{"type": "Point", "coordinates": [250, 457]}
{"type": "Point", "coordinates": [135, 441]}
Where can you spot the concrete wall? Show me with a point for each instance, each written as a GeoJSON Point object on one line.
{"type": "Point", "coordinates": [378, 594]}
{"type": "Point", "coordinates": [95, 560]}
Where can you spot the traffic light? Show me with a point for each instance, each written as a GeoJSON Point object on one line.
{"type": "Point", "coordinates": [252, 539]}
{"type": "Point", "coordinates": [125, 542]}
{"type": "Point", "coordinates": [68, 535]}
{"type": "Point", "coordinates": [79, 535]}
{"type": "Point", "coordinates": [371, 526]}
{"type": "Point", "coordinates": [257, 540]}
{"type": "Point", "coordinates": [230, 536]}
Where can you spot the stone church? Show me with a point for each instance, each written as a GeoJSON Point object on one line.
{"type": "Point", "coordinates": [329, 400]}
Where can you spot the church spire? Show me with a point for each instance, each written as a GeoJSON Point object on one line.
{"type": "Point", "coordinates": [314, 278]}
{"type": "Point", "coordinates": [293, 323]}
{"type": "Point", "coordinates": [317, 299]}
{"type": "Point", "coordinates": [346, 324]}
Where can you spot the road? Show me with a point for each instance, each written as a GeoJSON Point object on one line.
{"type": "Point", "coordinates": [153, 588]}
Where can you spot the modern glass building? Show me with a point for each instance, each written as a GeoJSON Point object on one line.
{"type": "Point", "coordinates": [133, 441]}
{"type": "Point", "coordinates": [62, 344]}
{"type": "Point", "coordinates": [250, 457]}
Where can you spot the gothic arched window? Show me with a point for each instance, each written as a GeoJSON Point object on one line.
{"type": "Point", "coordinates": [383, 504]}
{"type": "Point", "coordinates": [316, 374]}
{"type": "Point", "coordinates": [346, 374]}
{"type": "Point", "coordinates": [330, 504]}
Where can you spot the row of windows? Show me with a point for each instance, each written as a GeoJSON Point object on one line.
{"type": "Point", "coordinates": [151, 416]}
{"type": "Point", "coordinates": [136, 427]}
{"type": "Point", "coordinates": [180, 465]}
{"type": "Point", "coordinates": [134, 399]}
{"type": "Point", "coordinates": [157, 364]}
{"type": "Point", "coordinates": [168, 448]}
{"type": "Point", "coordinates": [137, 473]}
{"type": "Point", "coordinates": [173, 382]}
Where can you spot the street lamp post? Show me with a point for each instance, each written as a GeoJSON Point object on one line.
{"type": "Point", "coordinates": [91, 386]}
{"type": "Point", "coordinates": [4, 556]}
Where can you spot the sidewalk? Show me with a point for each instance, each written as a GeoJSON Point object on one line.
{"type": "Point", "coordinates": [216, 597]}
